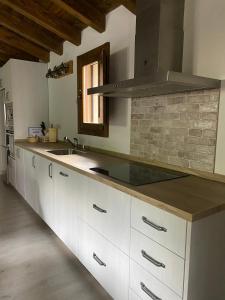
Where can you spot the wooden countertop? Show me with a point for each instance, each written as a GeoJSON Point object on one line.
{"type": "Point", "coordinates": [190, 198]}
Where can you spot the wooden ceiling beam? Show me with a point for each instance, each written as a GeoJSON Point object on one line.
{"type": "Point", "coordinates": [30, 30]}
{"type": "Point", "coordinates": [12, 39]}
{"type": "Point", "coordinates": [2, 62]}
{"type": "Point", "coordinates": [130, 4]}
{"type": "Point", "coordinates": [35, 11]}
{"type": "Point", "coordinates": [4, 56]}
{"type": "Point", "coordinates": [15, 53]}
{"type": "Point", "coordinates": [84, 11]}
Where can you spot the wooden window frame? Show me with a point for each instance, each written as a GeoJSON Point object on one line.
{"type": "Point", "coordinates": [100, 54]}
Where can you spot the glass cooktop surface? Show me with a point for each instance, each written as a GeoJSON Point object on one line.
{"type": "Point", "coordinates": [138, 174]}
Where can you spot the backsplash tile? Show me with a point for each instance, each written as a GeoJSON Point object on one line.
{"type": "Point", "coordinates": [178, 129]}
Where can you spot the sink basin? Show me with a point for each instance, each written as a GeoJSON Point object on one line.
{"type": "Point", "coordinates": [65, 151]}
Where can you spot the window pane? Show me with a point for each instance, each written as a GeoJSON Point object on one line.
{"type": "Point", "coordinates": [92, 104]}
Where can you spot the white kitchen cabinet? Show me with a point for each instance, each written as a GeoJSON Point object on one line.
{"type": "Point", "coordinates": [45, 199]}
{"type": "Point", "coordinates": [147, 286]}
{"type": "Point", "coordinates": [107, 263]}
{"type": "Point", "coordinates": [67, 189]}
{"type": "Point", "coordinates": [159, 261]}
{"type": "Point", "coordinates": [108, 211]}
{"type": "Point", "coordinates": [20, 171]}
{"type": "Point", "coordinates": [161, 226]}
{"type": "Point", "coordinates": [108, 233]}
{"type": "Point", "coordinates": [31, 182]}
{"type": "Point", "coordinates": [12, 170]}
{"type": "Point", "coordinates": [133, 296]}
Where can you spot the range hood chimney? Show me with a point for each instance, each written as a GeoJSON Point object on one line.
{"type": "Point", "coordinates": [158, 55]}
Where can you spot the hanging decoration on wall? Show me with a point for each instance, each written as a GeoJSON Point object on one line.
{"type": "Point", "coordinates": [60, 71]}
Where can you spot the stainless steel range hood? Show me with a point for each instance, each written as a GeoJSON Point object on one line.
{"type": "Point", "coordinates": [158, 55]}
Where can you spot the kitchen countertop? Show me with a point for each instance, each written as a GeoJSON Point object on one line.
{"type": "Point", "coordinates": [190, 198]}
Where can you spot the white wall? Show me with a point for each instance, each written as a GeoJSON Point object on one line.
{"type": "Point", "coordinates": [204, 43]}
{"type": "Point", "coordinates": [204, 48]}
{"type": "Point", "coordinates": [29, 95]}
{"type": "Point", "coordinates": [120, 32]}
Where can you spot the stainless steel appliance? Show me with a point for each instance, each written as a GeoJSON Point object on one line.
{"type": "Point", "coordinates": [8, 115]}
{"type": "Point", "coordinates": [8, 148]}
{"type": "Point", "coordinates": [158, 55]}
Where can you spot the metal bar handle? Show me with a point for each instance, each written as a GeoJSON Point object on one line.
{"type": "Point", "coordinates": [148, 292]}
{"type": "Point", "coordinates": [152, 260]}
{"type": "Point", "coordinates": [153, 225]}
{"type": "Point", "coordinates": [99, 261]}
{"type": "Point", "coordinates": [33, 162]}
{"type": "Point", "coordinates": [50, 170]}
{"type": "Point", "coordinates": [63, 174]}
{"type": "Point", "coordinates": [99, 209]}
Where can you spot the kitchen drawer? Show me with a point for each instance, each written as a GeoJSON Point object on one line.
{"type": "Point", "coordinates": [107, 210]}
{"type": "Point", "coordinates": [133, 296]}
{"type": "Point", "coordinates": [159, 261]}
{"type": "Point", "coordinates": [147, 287]}
{"type": "Point", "coordinates": [105, 262]}
{"type": "Point", "coordinates": [161, 226]}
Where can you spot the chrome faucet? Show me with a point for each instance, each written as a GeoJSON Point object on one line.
{"type": "Point", "coordinates": [75, 144]}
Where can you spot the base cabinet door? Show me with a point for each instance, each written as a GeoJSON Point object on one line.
{"type": "Point", "coordinates": [147, 287]}
{"type": "Point", "coordinates": [66, 184]}
{"type": "Point", "coordinates": [45, 190]}
{"type": "Point", "coordinates": [31, 181]}
{"type": "Point", "coordinates": [107, 210]}
{"type": "Point", "coordinates": [12, 171]}
{"type": "Point", "coordinates": [20, 171]}
{"type": "Point", "coordinates": [133, 296]}
{"type": "Point", "coordinates": [106, 263]}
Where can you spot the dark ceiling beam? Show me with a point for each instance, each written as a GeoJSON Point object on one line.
{"type": "Point", "coordinates": [4, 56]}
{"type": "Point", "coordinates": [35, 11]}
{"type": "Point", "coordinates": [130, 4]}
{"type": "Point", "coordinates": [84, 11]}
{"type": "Point", "coordinates": [15, 53]}
{"type": "Point", "coordinates": [29, 30]}
{"type": "Point", "coordinates": [12, 39]}
{"type": "Point", "coordinates": [2, 62]}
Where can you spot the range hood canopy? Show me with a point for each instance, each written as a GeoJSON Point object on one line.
{"type": "Point", "coordinates": [158, 55]}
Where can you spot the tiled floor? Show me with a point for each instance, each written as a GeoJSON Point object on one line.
{"type": "Point", "coordinates": [34, 263]}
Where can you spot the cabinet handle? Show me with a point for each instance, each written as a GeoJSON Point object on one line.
{"type": "Point", "coordinates": [153, 225]}
{"type": "Point", "coordinates": [99, 209]}
{"type": "Point", "coordinates": [99, 261]}
{"type": "Point", "coordinates": [63, 174]}
{"type": "Point", "coordinates": [152, 260]}
{"type": "Point", "coordinates": [148, 292]}
{"type": "Point", "coordinates": [50, 170]}
{"type": "Point", "coordinates": [33, 162]}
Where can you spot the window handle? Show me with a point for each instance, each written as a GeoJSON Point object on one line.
{"type": "Point", "coordinates": [152, 260]}
{"type": "Point", "coordinates": [99, 209]}
{"type": "Point", "coordinates": [148, 292]}
{"type": "Point", "coordinates": [153, 225]}
{"type": "Point", "coordinates": [99, 261]}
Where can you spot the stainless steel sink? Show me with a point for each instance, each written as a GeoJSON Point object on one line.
{"type": "Point", "coordinates": [66, 151]}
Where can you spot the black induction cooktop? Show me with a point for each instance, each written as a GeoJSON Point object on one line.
{"type": "Point", "coordinates": [138, 174]}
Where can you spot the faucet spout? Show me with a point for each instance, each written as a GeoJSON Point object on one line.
{"type": "Point", "coordinates": [66, 139]}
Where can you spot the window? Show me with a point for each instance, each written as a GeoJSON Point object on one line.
{"type": "Point", "coordinates": [92, 71]}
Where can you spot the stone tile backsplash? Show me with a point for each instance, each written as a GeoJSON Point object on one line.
{"type": "Point", "coordinates": [178, 129]}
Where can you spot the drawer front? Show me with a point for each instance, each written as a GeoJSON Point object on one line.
{"type": "Point", "coordinates": [162, 263]}
{"type": "Point", "coordinates": [105, 262]}
{"type": "Point", "coordinates": [161, 226]}
{"type": "Point", "coordinates": [107, 210]}
{"type": "Point", "coordinates": [148, 287]}
{"type": "Point", "coordinates": [133, 296]}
